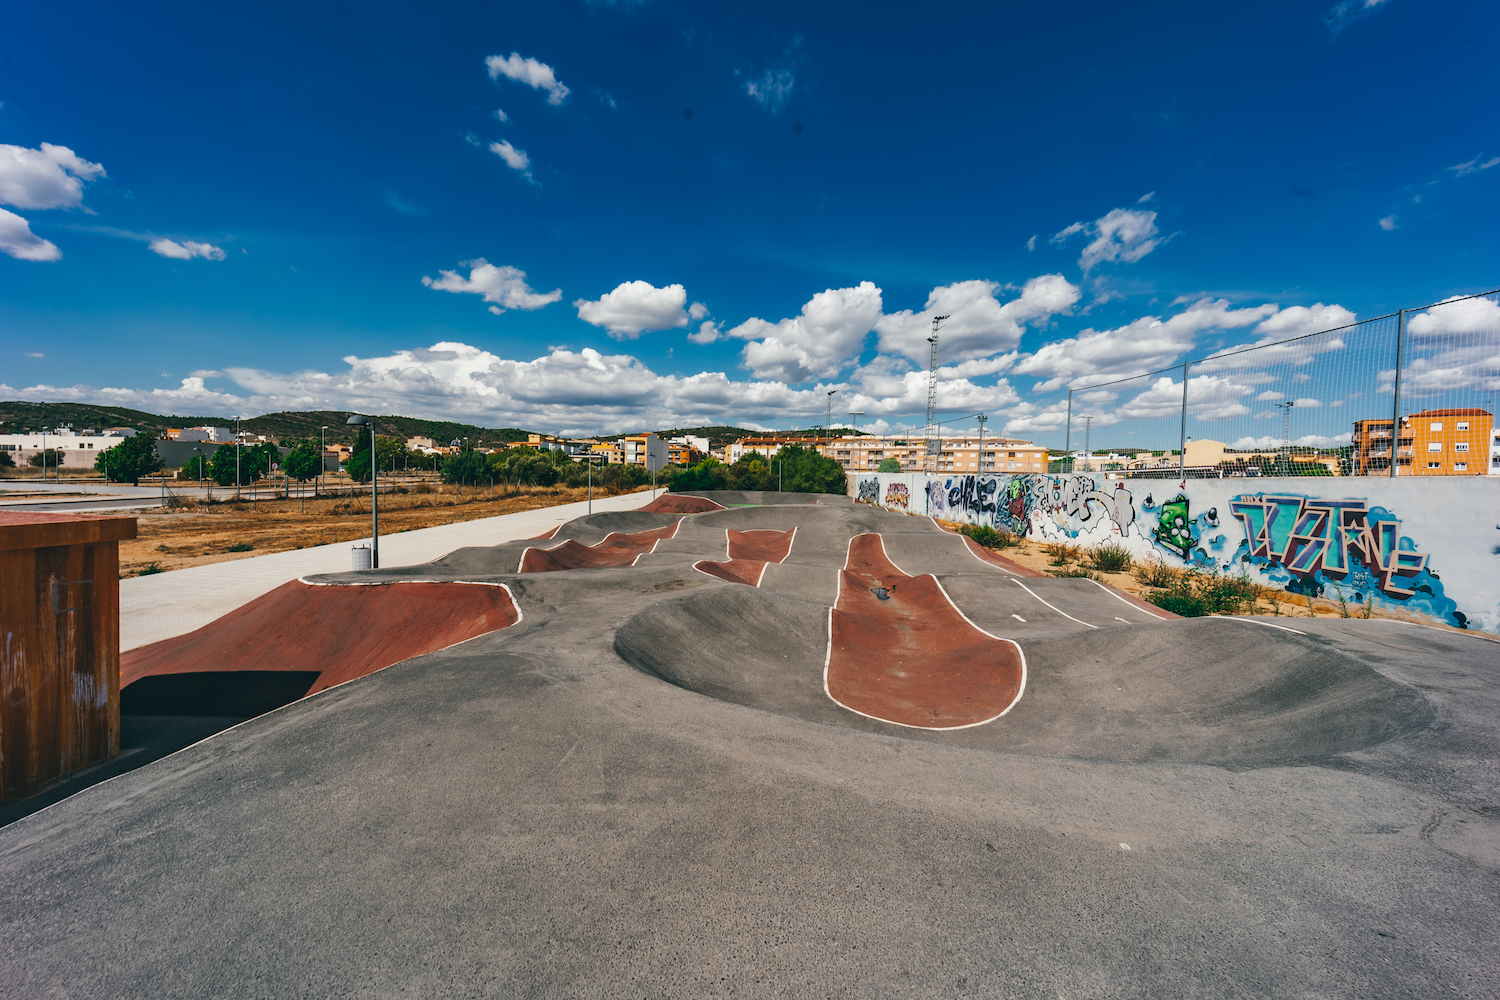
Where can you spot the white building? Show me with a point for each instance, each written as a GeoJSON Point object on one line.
{"type": "Point", "coordinates": [75, 449]}
{"type": "Point", "coordinates": [213, 435]}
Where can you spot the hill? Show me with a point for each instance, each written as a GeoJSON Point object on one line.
{"type": "Point", "coordinates": [17, 417]}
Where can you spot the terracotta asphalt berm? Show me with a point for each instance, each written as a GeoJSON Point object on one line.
{"type": "Point", "coordinates": [663, 782]}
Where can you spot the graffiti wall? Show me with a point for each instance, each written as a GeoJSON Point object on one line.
{"type": "Point", "coordinates": [1427, 546]}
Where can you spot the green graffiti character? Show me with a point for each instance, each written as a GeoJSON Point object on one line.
{"type": "Point", "coordinates": [1174, 529]}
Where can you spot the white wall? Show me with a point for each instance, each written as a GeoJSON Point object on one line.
{"type": "Point", "coordinates": [1429, 545]}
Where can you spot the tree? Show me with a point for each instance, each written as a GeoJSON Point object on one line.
{"type": "Point", "coordinates": [221, 467]}
{"type": "Point", "coordinates": [524, 467]}
{"type": "Point", "coordinates": [196, 467]}
{"type": "Point", "coordinates": [709, 474]}
{"type": "Point", "coordinates": [889, 465]}
{"type": "Point", "coordinates": [264, 456]}
{"type": "Point", "coordinates": [130, 459]}
{"type": "Point", "coordinates": [390, 452]}
{"type": "Point", "coordinates": [803, 470]}
{"type": "Point", "coordinates": [304, 461]}
{"type": "Point", "coordinates": [468, 467]}
{"type": "Point", "coordinates": [6, 462]}
{"type": "Point", "coordinates": [47, 458]}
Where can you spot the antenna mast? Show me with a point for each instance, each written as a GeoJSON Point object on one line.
{"type": "Point", "coordinates": [934, 445]}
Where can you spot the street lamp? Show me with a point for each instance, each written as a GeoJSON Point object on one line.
{"type": "Point", "coordinates": [44, 453]}
{"type": "Point", "coordinates": [359, 421]}
{"type": "Point", "coordinates": [237, 441]}
{"type": "Point", "coordinates": [322, 459]}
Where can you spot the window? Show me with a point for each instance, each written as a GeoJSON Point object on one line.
{"type": "Point", "coordinates": [1436, 425]}
{"type": "Point", "coordinates": [1434, 446]}
{"type": "Point", "coordinates": [1463, 425]}
{"type": "Point", "coordinates": [1460, 466]}
{"type": "Point", "coordinates": [1434, 465]}
{"type": "Point", "coordinates": [1461, 446]}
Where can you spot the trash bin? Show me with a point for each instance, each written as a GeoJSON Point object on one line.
{"type": "Point", "coordinates": [361, 555]}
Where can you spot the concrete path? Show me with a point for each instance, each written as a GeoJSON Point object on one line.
{"type": "Point", "coordinates": [158, 607]}
{"type": "Point", "coordinates": [97, 496]}
{"type": "Point", "coordinates": [644, 789]}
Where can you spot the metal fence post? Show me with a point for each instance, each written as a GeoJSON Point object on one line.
{"type": "Point", "coordinates": [1396, 399]}
{"type": "Point", "coordinates": [1067, 439]}
{"type": "Point", "coordinates": [1182, 432]}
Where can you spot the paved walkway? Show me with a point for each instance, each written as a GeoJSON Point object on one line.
{"type": "Point", "coordinates": [158, 607]}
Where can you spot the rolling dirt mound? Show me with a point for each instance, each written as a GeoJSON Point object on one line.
{"type": "Point", "coordinates": [341, 632]}
{"type": "Point", "coordinates": [680, 503]}
{"type": "Point", "coordinates": [1179, 691]}
{"type": "Point", "coordinates": [613, 550]}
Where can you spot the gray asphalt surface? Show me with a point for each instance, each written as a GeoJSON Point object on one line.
{"type": "Point", "coordinates": [641, 790]}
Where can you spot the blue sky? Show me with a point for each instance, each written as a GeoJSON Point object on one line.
{"type": "Point", "coordinates": [590, 216]}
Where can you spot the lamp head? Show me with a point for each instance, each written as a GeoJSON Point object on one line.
{"type": "Point", "coordinates": [357, 420]}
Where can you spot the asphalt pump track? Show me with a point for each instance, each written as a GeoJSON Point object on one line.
{"type": "Point", "coordinates": [777, 745]}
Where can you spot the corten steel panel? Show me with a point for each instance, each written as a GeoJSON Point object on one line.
{"type": "Point", "coordinates": [59, 647]}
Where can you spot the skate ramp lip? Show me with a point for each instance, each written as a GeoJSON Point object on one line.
{"type": "Point", "coordinates": [681, 503]}
{"type": "Point", "coordinates": [1197, 691]}
{"type": "Point", "coordinates": [341, 632]}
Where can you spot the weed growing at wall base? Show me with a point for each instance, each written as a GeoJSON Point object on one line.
{"type": "Point", "coordinates": [1110, 558]}
{"type": "Point", "coordinates": [1193, 595]}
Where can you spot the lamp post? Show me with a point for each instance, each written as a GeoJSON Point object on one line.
{"type": "Point", "coordinates": [322, 459]}
{"type": "Point", "coordinates": [365, 422]}
{"type": "Point", "coordinates": [982, 420]}
{"type": "Point", "coordinates": [237, 441]}
{"type": "Point", "coordinates": [360, 421]}
{"type": "Point", "coordinates": [44, 453]}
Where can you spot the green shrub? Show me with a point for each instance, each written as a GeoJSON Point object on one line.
{"type": "Point", "coordinates": [1111, 558]}
{"type": "Point", "coordinates": [1156, 573]}
{"type": "Point", "coordinates": [1193, 595]}
{"type": "Point", "coordinates": [150, 569]}
{"type": "Point", "coordinates": [984, 535]}
{"type": "Point", "coordinates": [1077, 571]}
{"type": "Point", "coordinates": [241, 547]}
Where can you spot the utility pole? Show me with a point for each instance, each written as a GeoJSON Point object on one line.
{"type": "Point", "coordinates": [1088, 448]}
{"type": "Point", "coordinates": [934, 445]}
{"type": "Point", "coordinates": [982, 420]}
{"type": "Point", "coordinates": [828, 417]}
{"type": "Point", "coordinates": [1396, 402]}
{"type": "Point", "coordinates": [854, 416]}
{"type": "Point", "coordinates": [237, 442]}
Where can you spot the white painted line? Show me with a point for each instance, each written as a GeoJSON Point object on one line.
{"type": "Point", "coordinates": [1254, 621]}
{"type": "Point", "coordinates": [1054, 607]}
{"type": "Point", "coordinates": [828, 656]}
{"type": "Point", "coordinates": [1450, 631]}
{"type": "Point", "coordinates": [1018, 618]}
{"type": "Point", "coordinates": [886, 554]}
{"type": "Point", "coordinates": [1127, 621]}
{"type": "Point", "coordinates": [761, 575]}
{"type": "Point", "coordinates": [383, 583]}
{"type": "Point", "coordinates": [1121, 599]}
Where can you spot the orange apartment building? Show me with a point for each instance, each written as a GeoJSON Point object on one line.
{"type": "Point", "coordinates": [1431, 443]}
{"type": "Point", "coordinates": [959, 454]}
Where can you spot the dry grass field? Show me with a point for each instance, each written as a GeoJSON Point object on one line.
{"type": "Point", "coordinates": [192, 532]}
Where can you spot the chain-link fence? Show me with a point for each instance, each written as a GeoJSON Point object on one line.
{"type": "Point", "coordinates": [1320, 404]}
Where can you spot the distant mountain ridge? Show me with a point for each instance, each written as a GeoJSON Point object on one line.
{"type": "Point", "coordinates": [19, 417]}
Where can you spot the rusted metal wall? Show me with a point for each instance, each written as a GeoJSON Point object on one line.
{"type": "Point", "coordinates": [59, 645]}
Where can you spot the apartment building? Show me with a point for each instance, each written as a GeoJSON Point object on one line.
{"type": "Point", "coordinates": [764, 445]}
{"type": "Point", "coordinates": [957, 454]}
{"type": "Point", "coordinates": [1456, 442]}
{"type": "Point", "coordinates": [215, 435]}
{"type": "Point", "coordinates": [74, 449]}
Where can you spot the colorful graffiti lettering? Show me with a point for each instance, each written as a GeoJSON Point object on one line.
{"type": "Point", "coordinates": [973, 495]}
{"type": "Point", "coordinates": [1306, 535]}
{"type": "Point", "coordinates": [897, 495]}
{"type": "Point", "coordinates": [1174, 528]}
{"type": "Point", "coordinates": [1070, 496]}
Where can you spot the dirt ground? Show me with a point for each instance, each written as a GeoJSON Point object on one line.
{"type": "Point", "coordinates": [192, 533]}
{"type": "Point", "coordinates": [1035, 556]}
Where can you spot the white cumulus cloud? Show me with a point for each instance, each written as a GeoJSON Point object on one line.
{"type": "Point", "coordinates": [530, 72]}
{"type": "Point", "coordinates": [1140, 346]}
{"type": "Point", "coordinates": [634, 307]}
{"type": "Point", "coordinates": [1124, 234]}
{"type": "Point", "coordinates": [514, 158]}
{"type": "Point", "coordinates": [17, 240]}
{"type": "Point", "coordinates": [819, 343]}
{"type": "Point", "coordinates": [186, 250]}
{"type": "Point", "coordinates": [49, 177]}
{"type": "Point", "coordinates": [1388, 223]}
{"type": "Point", "coordinates": [501, 285]}
{"type": "Point", "coordinates": [978, 325]}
